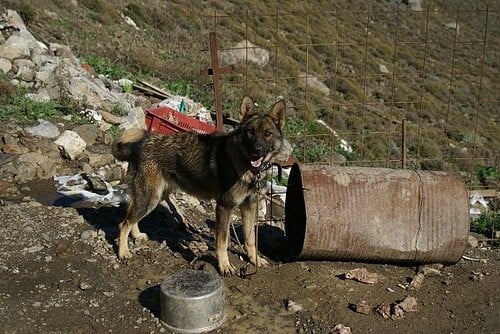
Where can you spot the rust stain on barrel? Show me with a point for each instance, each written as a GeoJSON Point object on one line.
{"type": "Point", "coordinates": [376, 214]}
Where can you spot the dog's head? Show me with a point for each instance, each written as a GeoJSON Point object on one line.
{"type": "Point", "coordinates": [261, 131]}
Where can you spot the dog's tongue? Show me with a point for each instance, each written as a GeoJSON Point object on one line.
{"type": "Point", "coordinates": [257, 163]}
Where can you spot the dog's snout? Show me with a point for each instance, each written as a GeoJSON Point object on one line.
{"type": "Point", "coordinates": [258, 150]}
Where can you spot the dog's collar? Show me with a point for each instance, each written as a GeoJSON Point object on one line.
{"type": "Point", "coordinates": [265, 166]}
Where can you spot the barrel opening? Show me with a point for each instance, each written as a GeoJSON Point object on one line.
{"type": "Point", "coordinates": [295, 212]}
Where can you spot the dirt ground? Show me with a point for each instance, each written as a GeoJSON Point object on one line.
{"type": "Point", "coordinates": [60, 274]}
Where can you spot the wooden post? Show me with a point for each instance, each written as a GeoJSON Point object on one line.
{"type": "Point", "coordinates": [403, 144]}
{"type": "Point", "coordinates": [216, 73]}
{"type": "Point", "coordinates": [216, 79]}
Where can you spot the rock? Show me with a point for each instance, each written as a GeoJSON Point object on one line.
{"type": "Point", "coordinates": [99, 160]}
{"type": "Point", "coordinates": [10, 145]}
{"type": "Point", "coordinates": [84, 286]}
{"type": "Point", "coordinates": [415, 5]}
{"type": "Point", "coordinates": [134, 119]}
{"type": "Point", "coordinates": [313, 82]}
{"type": "Point", "coordinates": [341, 329]}
{"type": "Point", "coordinates": [15, 47]}
{"type": "Point", "coordinates": [88, 132]}
{"type": "Point", "coordinates": [472, 241]}
{"type": "Point", "coordinates": [453, 26]}
{"type": "Point", "coordinates": [45, 129]}
{"type": "Point", "coordinates": [62, 51]}
{"type": "Point", "coordinates": [362, 307]}
{"type": "Point", "coordinates": [38, 97]}
{"type": "Point", "coordinates": [383, 69]}
{"type": "Point", "coordinates": [416, 282]}
{"type": "Point", "coordinates": [88, 234]}
{"type": "Point", "coordinates": [110, 118]}
{"type": "Point", "coordinates": [409, 304]}
{"type": "Point", "coordinates": [13, 19]}
{"type": "Point", "coordinates": [5, 65]}
{"type": "Point", "coordinates": [24, 172]}
{"type": "Point", "coordinates": [70, 144]}
{"type": "Point", "coordinates": [362, 275]}
{"type": "Point", "coordinates": [245, 51]}
{"type": "Point", "coordinates": [397, 310]}
{"type": "Point", "coordinates": [95, 184]}
{"type": "Point", "coordinates": [384, 310]}
{"type": "Point", "coordinates": [44, 166]}
{"type": "Point", "coordinates": [292, 306]}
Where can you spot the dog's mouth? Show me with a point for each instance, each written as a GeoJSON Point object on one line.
{"type": "Point", "coordinates": [256, 162]}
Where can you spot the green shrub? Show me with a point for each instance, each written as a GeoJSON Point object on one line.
{"type": "Point", "coordinates": [486, 223]}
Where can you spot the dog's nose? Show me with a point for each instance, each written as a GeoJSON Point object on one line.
{"type": "Point", "coordinates": [258, 150]}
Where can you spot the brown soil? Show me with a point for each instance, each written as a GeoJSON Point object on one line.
{"type": "Point", "coordinates": [59, 277]}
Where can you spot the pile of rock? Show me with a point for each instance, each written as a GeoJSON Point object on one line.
{"type": "Point", "coordinates": [53, 71]}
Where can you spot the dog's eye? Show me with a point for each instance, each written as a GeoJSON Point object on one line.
{"type": "Point", "coordinates": [251, 133]}
{"type": "Point", "coordinates": [268, 135]}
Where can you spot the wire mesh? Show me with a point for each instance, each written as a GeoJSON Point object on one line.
{"type": "Point", "coordinates": [354, 77]}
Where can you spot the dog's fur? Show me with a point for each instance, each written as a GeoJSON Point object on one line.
{"type": "Point", "coordinates": [220, 166]}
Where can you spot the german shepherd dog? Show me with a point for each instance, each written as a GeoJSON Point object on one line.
{"type": "Point", "coordinates": [225, 167]}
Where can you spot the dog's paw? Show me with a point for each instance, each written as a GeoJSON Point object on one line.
{"type": "Point", "coordinates": [227, 269]}
{"type": "Point", "coordinates": [140, 237]}
{"type": "Point", "coordinates": [124, 254]}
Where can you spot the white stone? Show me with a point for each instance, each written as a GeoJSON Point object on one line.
{"type": "Point", "coordinates": [15, 47]}
{"type": "Point", "coordinates": [5, 65]}
{"type": "Point", "coordinates": [383, 69]}
{"type": "Point", "coordinates": [70, 144]}
{"type": "Point", "coordinates": [245, 51]}
{"type": "Point", "coordinates": [134, 119]}
{"type": "Point", "coordinates": [313, 82]}
{"type": "Point", "coordinates": [44, 129]}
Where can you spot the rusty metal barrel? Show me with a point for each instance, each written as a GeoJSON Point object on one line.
{"type": "Point", "coordinates": [376, 214]}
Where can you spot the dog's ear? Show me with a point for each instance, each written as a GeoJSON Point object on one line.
{"type": "Point", "coordinates": [247, 108]}
{"type": "Point", "coordinates": [278, 113]}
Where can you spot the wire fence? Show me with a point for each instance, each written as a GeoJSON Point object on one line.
{"type": "Point", "coordinates": [380, 87]}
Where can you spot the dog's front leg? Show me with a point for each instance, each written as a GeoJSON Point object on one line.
{"type": "Point", "coordinates": [222, 239]}
{"type": "Point", "coordinates": [248, 214]}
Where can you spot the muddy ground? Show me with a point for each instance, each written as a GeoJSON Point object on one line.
{"type": "Point", "coordinates": [59, 274]}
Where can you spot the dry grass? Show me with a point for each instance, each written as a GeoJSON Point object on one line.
{"type": "Point", "coordinates": [343, 45]}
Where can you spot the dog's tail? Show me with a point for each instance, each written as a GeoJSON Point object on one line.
{"type": "Point", "coordinates": [127, 145]}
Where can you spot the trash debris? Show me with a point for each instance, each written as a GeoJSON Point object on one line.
{"type": "Point", "coordinates": [341, 329]}
{"type": "Point", "coordinates": [398, 309]}
{"type": "Point", "coordinates": [89, 188]}
{"type": "Point", "coordinates": [384, 310]}
{"type": "Point", "coordinates": [477, 276]}
{"type": "Point", "coordinates": [465, 257]}
{"type": "Point", "coordinates": [416, 282]}
{"type": "Point", "coordinates": [362, 275]}
{"type": "Point", "coordinates": [422, 271]}
{"type": "Point", "coordinates": [92, 114]}
{"type": "Point", "coordinates": [477, 205]}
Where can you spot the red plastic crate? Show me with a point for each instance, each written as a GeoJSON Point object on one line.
{"type": "Point", "coordinates": [166, 120]}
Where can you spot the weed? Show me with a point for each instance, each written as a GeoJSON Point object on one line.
{"type": "Point", "coordinates": [114, 130]}
{"type": "Point", "coordinates": [104, 66]}
{"type": "Point", "coordinates": [119, 110]}
{"type": "Point", "coordinates": [25, 109]}
{"type": "Point", "coordinates": [486, 223]}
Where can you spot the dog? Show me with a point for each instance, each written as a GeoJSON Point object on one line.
{"type": "Point", "coordinates": [225, 167]}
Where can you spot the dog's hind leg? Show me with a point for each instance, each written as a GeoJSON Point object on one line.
{"type": "Point", "coordinates": [144, 199]}
{"type": "Point", "coordinates": [248, 214]}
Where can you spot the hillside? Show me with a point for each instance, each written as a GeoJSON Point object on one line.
{"type": "Point", "coordinates": [436, 67]}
